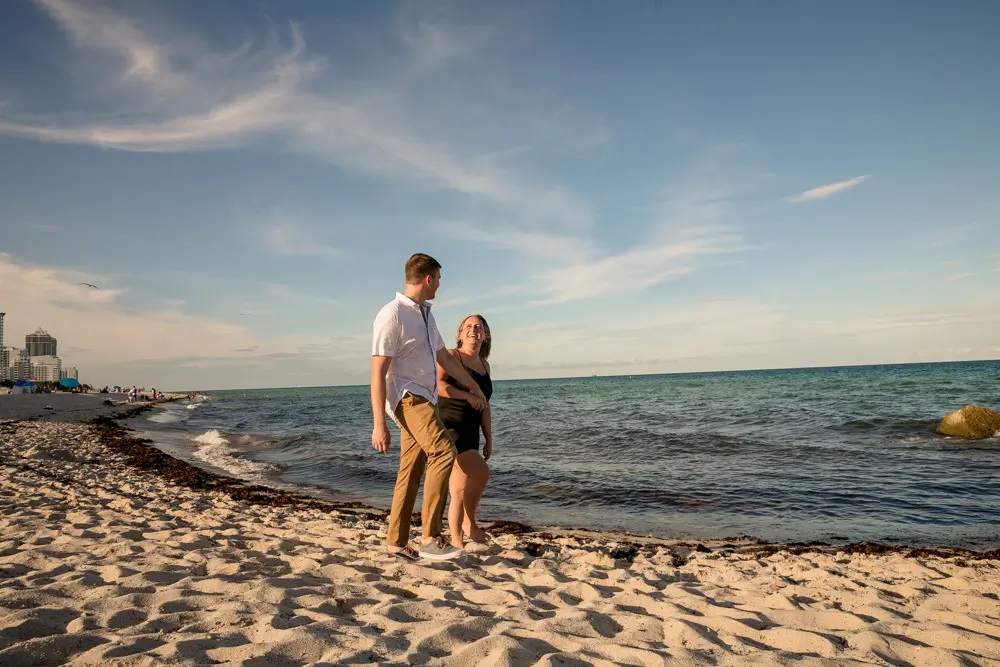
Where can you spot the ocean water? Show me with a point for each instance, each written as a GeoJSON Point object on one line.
{"type": "Point", "coordinates": [826, 454]}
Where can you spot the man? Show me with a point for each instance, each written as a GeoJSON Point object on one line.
{"type": "Point", "coordinates": [406, 348]}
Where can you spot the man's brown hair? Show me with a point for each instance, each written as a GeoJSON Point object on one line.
{"type": "Point", "coordinates": [419, 266]}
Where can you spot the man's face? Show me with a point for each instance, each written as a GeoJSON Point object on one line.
{"type": "Point", "coordinates": [431, 284]}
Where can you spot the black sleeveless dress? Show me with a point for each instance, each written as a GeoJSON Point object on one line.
{"type": "Point", "coordinates": [461, 419]}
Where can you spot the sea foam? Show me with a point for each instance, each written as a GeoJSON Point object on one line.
{"type": "Point", "coordinates": [216, 451]}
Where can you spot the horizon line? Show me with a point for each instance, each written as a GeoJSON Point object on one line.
{"type": "Point", "coordinates": [616, 375]}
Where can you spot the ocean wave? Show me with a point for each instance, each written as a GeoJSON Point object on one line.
{"type": "Point", "coordinates": [192, 406]}
{"type": "Point", "coordinates": [215, 450]}
{"type": "Point", "coordinates": [165, 417]}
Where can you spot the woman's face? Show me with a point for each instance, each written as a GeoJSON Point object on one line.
{"type": "Point", "coordinates": [472, 331]}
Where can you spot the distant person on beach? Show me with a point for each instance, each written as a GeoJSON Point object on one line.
{"type": "Point", "coordinates": [406, 349]}
{"type": "Point", "coordinates": [463, 420]}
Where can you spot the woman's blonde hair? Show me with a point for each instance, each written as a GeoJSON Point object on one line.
{"type": "Point", "coordinates": [484, 349]}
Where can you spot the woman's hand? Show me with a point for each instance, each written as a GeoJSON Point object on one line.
{"type": "Point", "coordinates": [487, 450]}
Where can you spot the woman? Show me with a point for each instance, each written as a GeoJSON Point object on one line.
{"type": "Point", "coordinates": [470, 472]}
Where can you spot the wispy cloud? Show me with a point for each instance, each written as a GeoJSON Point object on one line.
{"type": "Point", "coordinates": [287, 238]}
{"type": "Point", "coordinates": [894, 274]}
{"type": "Point", "coordinates": [691, 221]}
{"type": "Point", "coordinates": [956, 234]}
{"type": "Point", "coordinates": [825, 191]}
{"type": "Point", "coordinates": [435, 40]}
{"type": "Point", "coordinates": [286, 294]}
{"type": "Point", "coordinates": [961, 276]}
{"type": "Point", "coordinates": [100, 325]}
{"type": "Point", "coordinates": [187, 97]}
{"type": "Point", "coordinates": [708, 334]}
{"type": "Point", "coordinates": [96, 27]}
{"type": "Point", "coordinates": [566, 268]}
{"type": "Point", "coordinates": [636, 269]}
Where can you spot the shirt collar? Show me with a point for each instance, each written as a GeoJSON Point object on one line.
{"type": "Point", "coordinates": [407, 301]}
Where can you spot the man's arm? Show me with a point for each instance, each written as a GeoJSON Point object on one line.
{"type": "Point", "coordinates": [454, 368]}
{"type": "Point", "coordinates": [380, 432]}
{"type": "Point", "coordinates": [449, 390]}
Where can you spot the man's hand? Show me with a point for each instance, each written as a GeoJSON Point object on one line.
{"type": "Point", "coordinates": [381, 438]}
{"type": "Point", "coordinates": [476, 402]}
{"type": "Point", "coordinates": [477, 393]}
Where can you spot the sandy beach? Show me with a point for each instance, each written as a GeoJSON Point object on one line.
{"type": "Point", "coordinates": [110, 555]}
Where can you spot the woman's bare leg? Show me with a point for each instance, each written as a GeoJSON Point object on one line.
{"type": "Point", "coordinates": [456, 510]}
{"type": "Point", "coordinates": [477, 475]}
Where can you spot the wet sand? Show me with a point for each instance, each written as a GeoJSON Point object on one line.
{"type": "Point", "coordinates": [113, 553]}
{"type": "Point", "coordinates": [65, 407]}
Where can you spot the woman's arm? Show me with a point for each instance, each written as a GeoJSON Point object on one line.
{"type": "Point", "coordinates": [487, 433]}
{"type": "Point", "coordinates": [487, 423]}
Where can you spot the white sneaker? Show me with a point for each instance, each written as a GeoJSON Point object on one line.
{"type": "Point", "coordinates": [438, 549]}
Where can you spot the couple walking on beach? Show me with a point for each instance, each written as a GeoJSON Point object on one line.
{"type": "Point", "coordinates": [411, 368]}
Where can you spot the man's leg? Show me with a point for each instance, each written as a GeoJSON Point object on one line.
{"type": "Point", "coordinates": [431, 436]}
{"type": "Point", "coordinates": [411, 468]}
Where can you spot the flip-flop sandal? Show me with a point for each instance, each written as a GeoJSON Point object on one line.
{"type": "Point", "coordinates": [407, 553]}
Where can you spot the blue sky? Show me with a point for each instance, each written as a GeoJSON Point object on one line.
{"type": "Point", "coordinates": [619, 187]}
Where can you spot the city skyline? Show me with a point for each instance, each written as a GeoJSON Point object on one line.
{"type": "Point", "coordinates": [37, 360]}
{"type": "Point", "coordinates": [215, 195]}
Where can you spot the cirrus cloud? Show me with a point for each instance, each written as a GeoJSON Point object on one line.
{"type": "Point", "coordinates": [825, 191]}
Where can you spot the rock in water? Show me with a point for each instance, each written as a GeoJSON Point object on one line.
{"type": "Point", "coordinates": [972, 422]}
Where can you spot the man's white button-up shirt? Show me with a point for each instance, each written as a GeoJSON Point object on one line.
{"type": "Point", "coordinates": [407, 332]}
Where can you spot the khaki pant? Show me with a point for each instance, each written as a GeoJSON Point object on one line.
{"type": "Point", "coordinates": [424, 443]}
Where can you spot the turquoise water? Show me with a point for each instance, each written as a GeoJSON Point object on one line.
{"type": "Point", "coordinates": [829, 454]}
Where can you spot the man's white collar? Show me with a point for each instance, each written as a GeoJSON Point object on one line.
{"type": "Point", "coordinates": [405, 300]}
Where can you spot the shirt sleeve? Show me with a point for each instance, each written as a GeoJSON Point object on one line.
{"type": "Point", "coordinates": [385, 337]}
{"type": "Point", "coordinates": [436, 341]}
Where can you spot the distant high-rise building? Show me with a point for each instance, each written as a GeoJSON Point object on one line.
{"type": "Point", "coordinates": [46, 368]}
{"type": "Point", "coordinates": [4, 355]}
{"type": "Point", "coordinates": [20, 365]}
{"type": "Point", "coordinates": [71, 372]}
{"type": "Point", "coordinates": [40, 344]}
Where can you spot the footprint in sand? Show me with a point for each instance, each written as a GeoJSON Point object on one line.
{"type": "Point", "coordinates": [491, 596]}
{"type": "Point", "coordinates": [53, 650]}
{"type": "Point", "coordinates": [126, 618]}
{"type": "Point", "coordinates": [21, 626]}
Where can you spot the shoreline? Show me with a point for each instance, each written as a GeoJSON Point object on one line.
{"type": "Point", "coordinates": [175, 469]}
{"type": "Point", "coordinates": [113, 552]}
{"type": "Point", "coordinates": [143, 455]}
{"type": "Point", "coordinates": [146, 456]}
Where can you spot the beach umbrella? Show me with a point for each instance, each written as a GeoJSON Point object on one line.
{"type": "Point", "coordinates": [24, 383]}
{"type": "Point", "coordinates": [69, 383]}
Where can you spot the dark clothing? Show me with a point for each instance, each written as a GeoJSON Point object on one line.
{"type": "Point", "coordinates": [461, 419]}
